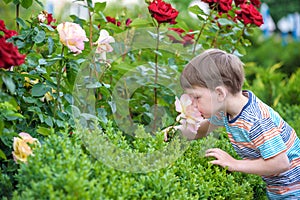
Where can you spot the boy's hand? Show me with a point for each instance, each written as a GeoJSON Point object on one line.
{"type": "Point", "coordinates": [223, 159]}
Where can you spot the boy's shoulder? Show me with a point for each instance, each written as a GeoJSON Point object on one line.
{"type": "Point", "coordinates": [257, 111]}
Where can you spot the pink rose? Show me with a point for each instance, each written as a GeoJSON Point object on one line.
{"type": "Point", "coordinates": [103, 44]}
{"type": "Point", "coordinates": [72, 36]}
{"type": "Point", "coordinates": [189, 116]}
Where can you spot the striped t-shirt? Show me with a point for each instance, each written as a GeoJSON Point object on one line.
{"type": "Point", "coordinates": [258, 131]}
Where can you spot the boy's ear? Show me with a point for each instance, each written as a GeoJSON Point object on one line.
{"type": "Point", "coordinates": [221, 93]}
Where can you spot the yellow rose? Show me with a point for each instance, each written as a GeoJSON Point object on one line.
{"type": "Point", "coordinates": [28, 81]}
{"type": "Point", "coordinates": [21, 148]}
{"type": "Point", "coordinates": [48, 96]}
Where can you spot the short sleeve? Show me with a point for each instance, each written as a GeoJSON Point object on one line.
{"type": "Point", "coordinates": [217, 120]}
{"type": "Point", "coordinates": [266, 136]}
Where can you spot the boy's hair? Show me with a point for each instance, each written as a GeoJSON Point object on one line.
{"type": "Point", "coordinates": [213, 68]}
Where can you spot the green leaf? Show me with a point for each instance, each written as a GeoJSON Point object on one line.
{"type": "Point", "coordinates": [1, 127]}
{"type": "Point", "coordinates": [49, 121]}
{"type": "Point", "coordinates": [21, 22]}
{"type": "Point", "coordinates": [13, 116]}
{"type": "Point", "coordinates": [39, 90]}
{"type": "Point", "coordinates": [100, 6]}
{"type": "Point", "coordinates": [225, 22]}
{"type": "Point", "coordinates": [138, 22]}
{"type": "Point", "coordinates": [2, 155]}
{"type": "Point", "coordinates": [40, 37]}
{"type": "Point", "coordinates": [93, 85]}
{"type": "Point", "coordinates": [90, 4]}
{"type": "Point", "coordinates": [44, 131]}
{"type": "Point", "coordinates": [7, 1]}
{"type": "Point", "coordinates": [50, 45]}
{"type": "Point", "coordinates": [196, 10]}
{"type": "Point", "coordinates": [26, 3]}
{"type": "Point", "coordinates": [9, 83]}
{"type": "Point", "coordinates": [47, 26]}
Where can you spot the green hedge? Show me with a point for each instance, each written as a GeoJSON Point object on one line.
{"type": "Point", "coordinates": [62, 168]}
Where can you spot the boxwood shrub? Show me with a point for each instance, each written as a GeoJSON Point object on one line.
{"type": "Point", "coordinates": [63, 168]}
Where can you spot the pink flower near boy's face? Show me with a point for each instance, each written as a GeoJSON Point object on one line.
{"type": "Point", "coordinates": [72, 36]}
{"type": "Point", "coordinates": [21, 148]}
{"type": "Point", "coordinates": [189, 116]}
{"type": "Point", "coordinates": [103, 42]}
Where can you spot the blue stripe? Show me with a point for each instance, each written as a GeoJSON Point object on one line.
{"type": "Point", "coordinates": [295, 195]}
{"type": "Point", "coordinates": [272, 147]}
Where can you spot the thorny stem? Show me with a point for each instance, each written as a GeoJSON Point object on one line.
{"type": "Point", "coordinates": [156, 78]}
{"type": "Point", "coordinates": [214, 41]}
{"type": "Point", "coordinates": [239, 39]}
{"type": "Point", "coordinates": [58, 81]}
{"type": "Point", "coordinates": [17, 16]}
{"type": "Point", "coordinates": [200, 32]}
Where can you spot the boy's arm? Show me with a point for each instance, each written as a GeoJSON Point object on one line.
{"type": "Point", "coordinates": [205, 128]}
{"type": "Point", "coordinates": [277, 164]}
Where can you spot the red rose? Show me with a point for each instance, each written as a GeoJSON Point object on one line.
{"type": "Point", "coordinates": [113, 20]}
{"type": "Point", "coordinates": [222, 6]}
{"type": "Point", "coordinates": [256, 3]}
{"type": "Point", "coordinates": [249, 15]}
{"type": "Point", "coordinates": [7, 33]}
{"type": "Point", "coordinates": [128, 22]}
{"type": "Point", "coordinates": [50, 19]}
{"type": "Point", "coordinates": [186, 39]}
{"type": "Point", "coordinates": [239, 2]}
{"type": "Point", "coordinates": [162, 12]}
{"type": "Point", "coordinates": [179, 31]}
{"type": "Point", "coordinates": [9, 55]}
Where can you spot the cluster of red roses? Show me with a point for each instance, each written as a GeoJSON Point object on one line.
{"type": "Point", "coordinates": [9, 53]}
{"type": "Point", "coordinates": [246, 11]}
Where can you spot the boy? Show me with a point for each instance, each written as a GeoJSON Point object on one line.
{"type": "Point", "coordinates": [268, 146]}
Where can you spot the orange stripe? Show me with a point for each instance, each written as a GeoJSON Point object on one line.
{"type": "Point", "coordinates": [295, 163]}
{"type": "Point", "coordinates": [283, 189]}
{"type": "Point", "coordinates": [266, 136]}
{"type": "Point", "coordinates": [242, 124]}
{"type": "Point", "coordinates": [241, 144]}
{"type": "Point", "coordinates": [264, 110]}
{"type": "Point", "coordinates": [291, 140]}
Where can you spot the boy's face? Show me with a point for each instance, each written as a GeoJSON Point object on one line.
{"type": "Point", "coordinates": [205, 100]}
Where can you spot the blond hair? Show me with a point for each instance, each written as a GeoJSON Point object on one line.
{"type": "Point", "coordinates": [213, 68]}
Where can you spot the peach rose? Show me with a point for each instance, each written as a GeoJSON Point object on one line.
{"type": "Point", "coordinates": [72, 36]}
{"type": "Point", "coordinates": [21, 148]}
